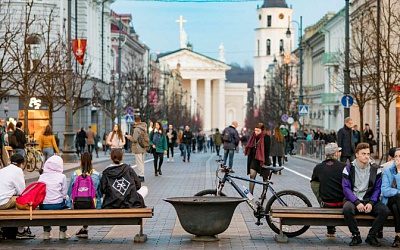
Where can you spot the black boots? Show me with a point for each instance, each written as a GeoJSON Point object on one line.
{"type": "Point", "coordinates": [373, 241]}
{"type": "Point", "coordinates": [355, 240]}
{"type": "Point", "coordinates": [396, 241]}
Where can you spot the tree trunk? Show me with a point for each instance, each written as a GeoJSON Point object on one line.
{"type": "Point", "coordinates": [26, 104]}
{"type": "Point", "coordinates": [51, 110]}
{"type": "Point", "coordinates": [361, 111]}
{"type": "Point", "coordinates": [387, 120]}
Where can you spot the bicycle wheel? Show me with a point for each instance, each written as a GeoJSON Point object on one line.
{"type": "Point", "coordinates": [291, 199]}
{"type": "Point", "coordinates": [212, 192]}
{"type": "Point", "coordinates": [30, 163]}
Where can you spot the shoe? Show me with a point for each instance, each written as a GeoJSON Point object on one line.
{"type": "Point", "coordinates": [159, 172]}
{"type": "Point", "coordinates": [63, 236]}
{"type": "Point", "coordinates": [372, 241]}
{"type": "Point", "coordinates": [396, 241]}
{"type": "Point", "coordinates": [379, 235]}
{"type": "Point", "coordinates": [356, 240]}
{"type": "Point", "coordinates": [330, 235]}
{"type": "Point", "coordinates": [46, 236]}
{"type": "Point", "coordinates": [184, 160]}
{"type": "Point", "coordinates": [172, 159]}
{"type": "Point", "coordinates": [82, 234]}
{"type": "Point", "coordinates": [167, 159]}
{"type": "Point", "coordinates": [155, 174]}
{"type": "Point", "coordinates": [280, 172]}
{"type": "Point", "coordinates": [26, 234]}
{"type": "Point", "coordinates": [141, 178]}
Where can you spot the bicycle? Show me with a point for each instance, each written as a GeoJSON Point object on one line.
{"type": "Point", "coordinates": [34, 158]}
{"type": "Point", "coordinates": [279, 199]}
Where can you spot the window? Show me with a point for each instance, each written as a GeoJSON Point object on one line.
{"type": "Point", "coordinates": [268, 47]}
{"type": "Point", "coordinates": [269, 21]}
{"type": "Point", "coordinates": [281, 46]}
{"type": "Point", "coordinates": [258, 47]}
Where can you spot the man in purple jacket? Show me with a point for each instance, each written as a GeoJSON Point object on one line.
{"type": "Point", "coordinates": [361, 184]}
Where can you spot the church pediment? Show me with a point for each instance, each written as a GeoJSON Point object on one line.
{"type": "Point", "coordinates": [190, 60]}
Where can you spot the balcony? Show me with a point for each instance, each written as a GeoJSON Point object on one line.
{"type": "Point", "coordinates": [330, 98]}
{"type": "Point", "coordinates": [331, 59]}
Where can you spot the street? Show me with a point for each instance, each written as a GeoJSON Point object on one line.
{"type": "Point", "coordinates": [185, 179]}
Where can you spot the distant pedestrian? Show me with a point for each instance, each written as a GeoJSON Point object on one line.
{"type": "Point", "coordinates": [172, 136]}
{"type": "Point", "coordinates": [115, 138]}
{"type": "Point", "coordinates": [277, 147]}
{"type": "Point", "coordinates": [90, 135]}
{"type": "Point", "coordinates": [187, 142]}
{"type": "Point", "coordinates": [47, 143]}
{"type": "Point", "coordinates": [368, 136]}
{"type": "Point", "coordinates": [267, 146]}
{"type": "Point", "coordinates": [20, 137]}
{"type": "Point", "coordinates": [230, 138]}
{"type": "Point", "coordinates": [345, 140]}
{"type": "Point", "coordinates": [158, 141]}
{"type": "Point", "coordinates": [356, 136]}
{"type": "Point", "coordinates": [81, 140]}
{"type": "Point", "coordinates": [139, 133]}
{"type": "Point", "coordinates": [218, 141]}
{"type": "Point", "coordinates": [210, 143]}
{"type": "Point", "coordinates": [105, 145]}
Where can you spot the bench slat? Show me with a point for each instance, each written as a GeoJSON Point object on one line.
{"type": "Point", "coordinates": [78, 211]}
{"type": "Point", "coordinates": [308, 210]}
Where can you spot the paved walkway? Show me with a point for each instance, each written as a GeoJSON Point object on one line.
{"type": "Point", "coordinates": [185, 179]}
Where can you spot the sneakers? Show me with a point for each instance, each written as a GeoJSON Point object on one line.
{"type": "Point", "coordinates": [356, 240]}
{"type": "Point", "coordinates": [159, 172]}
{"type": "Point", "coordinates": [46, 235]}
{"type": "Point", "coordinates": [372, 241]}
{"type": "Point", "coordinates": [26, 234]}
{"type": "Point", "coordinates": [63, 236]}
{"type": "Point", "coordinates": [168, 160]}
{"type": "Point", "coordinates": [396, 241]}
{"type": "Point", "coordinates": [82, 233]}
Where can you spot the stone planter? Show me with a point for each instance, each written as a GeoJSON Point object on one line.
{"type": "Point", "coordinates": [205, 217]}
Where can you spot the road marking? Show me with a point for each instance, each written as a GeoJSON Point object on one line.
{"type": "Point", "coordinates": [297, 173]}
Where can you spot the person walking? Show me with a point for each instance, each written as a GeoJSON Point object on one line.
{"type": "Point", "coordinates": [47, 143]}
{"type": "Point", "coordinates": [90, 135]}
{"type": "Point", "coordinates": [81, 140]}
{"type": "Point", "coordinates": [356, 136]}
{"type": "Point", "coordinates": [368, 137]}
{"type": "Point", "coordinates": [172, 136]}
{"type": "Point", "coordinates": [361, 183]}
{"type": "Point", "coordinates": [86, 169]}
{"type": "Point", "coordinates": [115, 138]}
{"type": "Point", "coordinates": [345, 140]}
{"type": "Point", "coordinates": [139, 130]}
{"type": "Point", "coordinates": [230, 138]}
{"type": "Point", "coordinates": [391, 192]}
{"type": "Point", "coordinates": [217, 138]}
{"type": "Point", "coordinates": [277, 148]}
{"type": "Point", "coordinates": [267, 146]}
{"type": "Point", "coordinates": [187, 138]}
{"type": "Point", "coordinates": [158, 142]}
{"type": "Point", "coordinates": [20, 137]}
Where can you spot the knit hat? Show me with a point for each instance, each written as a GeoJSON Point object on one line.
{"type": "Point", "coordinates": [332, 148]}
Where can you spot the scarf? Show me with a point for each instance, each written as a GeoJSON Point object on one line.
{"type": "Point", "coordinates": [259, 140]}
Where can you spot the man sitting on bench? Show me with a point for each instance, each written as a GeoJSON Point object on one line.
{"type": "Point", "coordinates": [326, 181]}
{"type": "Point", "coordinates": [362, 187]}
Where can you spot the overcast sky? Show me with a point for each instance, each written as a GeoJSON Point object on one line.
{"type": "Point", "coordinates": [209, 24]}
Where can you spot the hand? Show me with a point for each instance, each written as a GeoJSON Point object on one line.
{"type": "Point", "coordinates": [368, 208]}
{"type": "Point", "coordinates": [154, 146]}
{"type": "Point", "coordinates": [129, 137]}
{"type": "Point", "coordinates": [360, 207]}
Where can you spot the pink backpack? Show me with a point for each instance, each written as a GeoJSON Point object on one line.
{"type": "Point", "coordinates": [83, 192]}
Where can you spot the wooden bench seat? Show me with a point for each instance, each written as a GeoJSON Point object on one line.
{"type": "Point", "coordinates": [70, 217]}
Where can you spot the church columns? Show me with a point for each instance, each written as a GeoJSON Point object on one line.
{"type": "Point", "coordinates": [193, 93]}
{"type": "Point", "coordinates": [221, 104]}
{"type": "Point", "coordinates": [207, 105]}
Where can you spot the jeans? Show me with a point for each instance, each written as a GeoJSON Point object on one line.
{"type": "Point", "coordinates": [230, 153]}
{"type": "Point", "coordinates": [394, 206]}
{"type": "Point", "coordinates": [170, 147]}
{"type": "Point", "coordinates": [186, 151]}
{"type": "Point", "coordinates": [218, 148]}
{"type": "Point", "coordinates": [58, 206]}
{"type": "Point", "coordinates": [20, 151]}
{"type": "Point", "coordinates": [158, 159]}
{"type": "Point", "coordinates": [47, 153]}
{"type": "Point", "coordinates": [379, 211]}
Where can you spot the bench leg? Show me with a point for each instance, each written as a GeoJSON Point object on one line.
{"type": "Point", "coordinates": [281, 237]}
{"type": "Point", "coordinates": [140, 237]}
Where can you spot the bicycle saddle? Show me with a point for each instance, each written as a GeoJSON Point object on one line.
{"type": "Point", "coordinates": [273, 169]}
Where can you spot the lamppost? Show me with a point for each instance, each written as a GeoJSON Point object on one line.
{"type": "Point", "coordinates": [346, 70]}
{"type": "Point", "coordinates": [69, 153]}
{"type": "Point", "coordinates": [119, 98]}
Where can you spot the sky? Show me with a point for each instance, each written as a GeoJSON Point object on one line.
{"type": "Point", "coordinates": [210, 24]}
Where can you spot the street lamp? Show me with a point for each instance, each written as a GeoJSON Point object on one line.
{"type": "Point", "coordinates": [300, 46]}
{"type": "Point", "coordinates": [347, 57]}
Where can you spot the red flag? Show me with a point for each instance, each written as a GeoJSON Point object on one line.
{"type": "Point", "coordinates": [79, 49]}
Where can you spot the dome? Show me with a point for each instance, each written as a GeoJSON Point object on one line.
{"type": "Point", "coordinates": [274, 4]}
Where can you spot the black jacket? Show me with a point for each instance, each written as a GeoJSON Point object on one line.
{"type": "Point", "coordinates": [345, 141]}
{"type": "Point", "coordinates": [187, 137]}
{"type": "Point", "coordinates": [21, 138]}
{"type": "Point", "coordinates": [119, 184]}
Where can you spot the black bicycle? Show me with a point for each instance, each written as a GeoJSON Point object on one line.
{"type": "Point", "coordinates": [285, 198]}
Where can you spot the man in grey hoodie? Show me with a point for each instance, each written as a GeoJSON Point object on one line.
{"type": "Point", "coordinates": [138, 150]}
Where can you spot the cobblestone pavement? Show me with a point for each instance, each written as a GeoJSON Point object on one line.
{"type": "Point", "coordinates": [185, 179]}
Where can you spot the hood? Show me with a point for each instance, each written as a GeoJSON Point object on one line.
{"type": "Point", "coordinates": [141, 125]}
{"type": "Point", "coordinates": [116, 171]}
{"type": "Point", "coordinates": [54, 164]}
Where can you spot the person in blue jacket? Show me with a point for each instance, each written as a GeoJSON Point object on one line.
{"type": "Point", "coordinates": [86, 167]}
{"type": "Point", "coordinates": [391, 193]}
{"type": "Point", "coordinates": [361, 183]}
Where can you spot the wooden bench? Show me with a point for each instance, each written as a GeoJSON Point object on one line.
{"type": "Point", "coordinates": [70, 217]}
{"type": "Point", "coordinates": [315, 216]}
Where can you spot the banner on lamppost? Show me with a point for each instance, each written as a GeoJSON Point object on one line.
{"type": "Point", "coordinates": [79, 49]}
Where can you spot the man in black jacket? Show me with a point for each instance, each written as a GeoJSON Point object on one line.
{"type": "Point", "coordinates": [20, 138]}
{"type": "Point", "coordinates": [230, 138]}
{"type": "Point", "coordinates": [187, 142]}
{"type": "Point", "coordinates": [345, 140]}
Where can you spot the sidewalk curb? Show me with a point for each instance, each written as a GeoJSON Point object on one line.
{"type": "Point", "coordinates": [306, 159]}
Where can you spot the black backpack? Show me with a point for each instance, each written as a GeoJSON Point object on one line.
{"type": "Point", "coordinates": [227, 136]}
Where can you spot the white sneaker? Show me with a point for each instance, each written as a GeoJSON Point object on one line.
{"type": "Point", "coordinates": [63, 236]}
{"type": "Point", "coordinates": [172, 159]}
{"type": "Point", "coordinates": [167, 159]}
{"type": "Point", "coordinates": [46, 235]}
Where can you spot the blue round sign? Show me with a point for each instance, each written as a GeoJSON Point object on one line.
{"type": "Point", "coordinates": [347, 101]}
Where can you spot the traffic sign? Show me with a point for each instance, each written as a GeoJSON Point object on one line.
{"type": "Point", "coordinates": [284, 117]}
{"type": "Point", "coordinates": [290, 120]}
{"type": "Point", "coordinates": [347, 101]}
{"type": "Point", "coordinates": [129, 118]}
{"type": "Point", "coordinates": [303, 109]}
